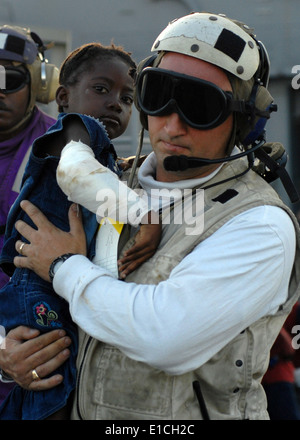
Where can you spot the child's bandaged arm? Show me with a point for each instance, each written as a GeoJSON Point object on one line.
{"type": "Point", "coordinates": [87, 182]}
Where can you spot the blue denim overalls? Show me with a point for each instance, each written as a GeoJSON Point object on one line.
{"type": "Point", "coordinates": [29, 300]}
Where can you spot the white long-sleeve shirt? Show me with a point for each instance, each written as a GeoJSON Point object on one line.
{"type": "Point", "coordinates": [229, 281]}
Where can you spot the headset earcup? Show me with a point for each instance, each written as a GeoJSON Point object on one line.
{"type": "Point", "coordinates": [46, 93]}
{"type": "Point", "coordinates": [248, 131]}
{"type": "Point", "coordinates": [147, 62]}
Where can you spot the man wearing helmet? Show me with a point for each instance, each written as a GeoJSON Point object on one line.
{"type": "Point", "coordinates": [20, 119]}
{"type": "Point", "coordinates": [188, 335]}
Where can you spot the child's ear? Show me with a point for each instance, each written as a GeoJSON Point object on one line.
{"type": "Point", "coordinates": [62, 96]}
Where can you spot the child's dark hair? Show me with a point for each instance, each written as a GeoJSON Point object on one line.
{"type": "Point", "coordinates": [84, 57]}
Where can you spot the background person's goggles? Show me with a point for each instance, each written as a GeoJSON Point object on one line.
{"type": "Point", "coordinates": [15, 80]}
{"type": "Point", "coordinates": [201, 104]}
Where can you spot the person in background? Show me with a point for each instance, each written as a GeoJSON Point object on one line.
{"type": "Point", "coordinates": [21, 121]}
{"type": "Point", "coordinates": [280, 380]}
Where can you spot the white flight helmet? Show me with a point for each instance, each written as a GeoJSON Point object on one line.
{"type": "Point", "coordinates": [212, 38]}
{"type": "Point", "coordinates": [230, 45]}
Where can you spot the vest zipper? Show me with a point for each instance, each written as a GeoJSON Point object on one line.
{"type": "Point", "coordinates": [78, 376]}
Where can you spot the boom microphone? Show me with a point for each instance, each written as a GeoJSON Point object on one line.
{"type": "Point", "coordinates": [273, 168]}
{"type": "Point", "coordinates": [182, 163]}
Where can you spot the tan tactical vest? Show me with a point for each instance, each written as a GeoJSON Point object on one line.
{"type": "Point", "coordinates": [112, 386]}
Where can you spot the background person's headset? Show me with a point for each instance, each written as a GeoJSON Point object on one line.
{"type": "Point", "coordinates": [49, 74]}
{"type": "Point", "coordinates": [20, 45]}
{"type": "Point", "coordinates": [267, 159]}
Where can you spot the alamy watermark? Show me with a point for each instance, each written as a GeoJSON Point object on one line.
{"type": "Point", "coordinates": [179, 207]}
{"type": "Point", "coordinates": [2, 77]}
{"type": "Point", "coordinates": [296, 78]}
{"type": "Point", "coordinates": [296, 339]}
{"type": "Point", "coordinates": [2, 337]}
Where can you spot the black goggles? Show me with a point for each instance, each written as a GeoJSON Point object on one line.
{"type": "Point", "coordinates": [15, 80]}
{"type": "Point", "coordinates": [201, 104]}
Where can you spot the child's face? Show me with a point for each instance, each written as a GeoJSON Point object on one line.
{"type": "Point", "coordinates": [106, 93]}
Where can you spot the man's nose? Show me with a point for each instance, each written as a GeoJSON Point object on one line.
{"type": "Point", "coordinates": [174, 125]}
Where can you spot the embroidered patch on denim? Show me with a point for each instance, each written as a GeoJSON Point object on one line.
{"type": "Point", "coordinates": [45, 316]}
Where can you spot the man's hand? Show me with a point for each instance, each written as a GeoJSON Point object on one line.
{"type": "Point", "coordinates": [47, 242]}
{"type": "Point", "coordinates": [25, 351]}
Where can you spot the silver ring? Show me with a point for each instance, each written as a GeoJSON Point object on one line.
{"type": "Point", "coordinates": [21, 247]}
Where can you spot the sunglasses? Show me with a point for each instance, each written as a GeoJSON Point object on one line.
{"type": "Point", "coordinates": [15, 80]}
{"type": "Point", "coordinates": [201, 104]}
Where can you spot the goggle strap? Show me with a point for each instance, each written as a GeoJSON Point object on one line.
{"type": "Point", "coordinates": [246, 107]}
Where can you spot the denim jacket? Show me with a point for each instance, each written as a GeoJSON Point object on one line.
{"type": "Point", "coordinates": [40, 187]}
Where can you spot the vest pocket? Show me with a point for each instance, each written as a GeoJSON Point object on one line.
{"type": "Point", "coordinates": [129, 388]}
